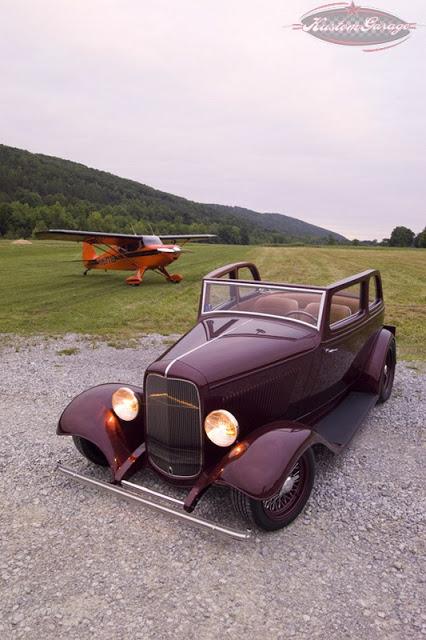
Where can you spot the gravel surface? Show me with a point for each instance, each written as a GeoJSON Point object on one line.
{"type": "Point", "coordinates": [77, 563]}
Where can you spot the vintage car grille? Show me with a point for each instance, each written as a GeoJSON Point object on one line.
{"type": "Point", "coordinates": [173, 426]}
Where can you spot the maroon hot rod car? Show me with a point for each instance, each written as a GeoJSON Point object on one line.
{"type": "Point", "coordinates": [268, 372]}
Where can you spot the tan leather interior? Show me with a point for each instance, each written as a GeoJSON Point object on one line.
{"type": "Point", "coordinates": [244, 306]}
{"type": "Point", "coordinates": [337, 311]}
{"type": "Point", "coordinates": [277, 304]}
{"type": "Point", "coordinates": [313, 308]}
{"type": "Point", "coordinates": [348, 301]}
{"type": "Point", "coordinates": [305, 298]}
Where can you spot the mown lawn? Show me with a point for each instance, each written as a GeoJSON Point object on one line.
{"type": "Point", "coordinates": [42, 290]}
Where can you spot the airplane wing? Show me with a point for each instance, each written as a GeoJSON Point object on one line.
{"type": "Point", "coordinates": [194, 236]}
{"type": "Point", "coordinates": [119, 239]}
{"type": "Point", "coordinates": [92, 237]}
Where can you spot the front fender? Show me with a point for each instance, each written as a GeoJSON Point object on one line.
{"type": "Point", "coordinates": [270, 455]}
{"type": "Point", "coordinates": [90, 416]}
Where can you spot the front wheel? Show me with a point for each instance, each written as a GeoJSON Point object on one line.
{"type": "Point", "coordinates": [90, 451]}
{"type": "Point", "coordinates": [280, 510]}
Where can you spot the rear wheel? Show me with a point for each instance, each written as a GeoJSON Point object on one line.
{"type": "Point", "coordinates": [90, 451]}
{"type": "Point", "coordinates": [280, 510]}
{"type": "Point", "coordinates": [388, 374]}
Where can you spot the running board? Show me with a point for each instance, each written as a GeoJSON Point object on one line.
{"type": "Point", "coordinates": [129, 490]}
{"type": "Point", "coordinates": [339, 426]}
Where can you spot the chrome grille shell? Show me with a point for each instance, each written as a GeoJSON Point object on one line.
{"type": "Point", "coordinates": [173, 426]}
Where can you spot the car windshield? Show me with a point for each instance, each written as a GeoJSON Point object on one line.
{"type": "Point", "coordinates": [297, 304]}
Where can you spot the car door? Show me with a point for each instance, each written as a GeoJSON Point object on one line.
{"type": "Point", "coordinates": [345, 332]}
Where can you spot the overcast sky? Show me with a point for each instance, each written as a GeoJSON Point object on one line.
{"type": "Point", "coordinates": [216, 101]}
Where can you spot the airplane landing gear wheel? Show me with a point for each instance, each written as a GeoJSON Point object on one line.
{"type": "Point", "coordinates": [170, 277]}
{"type": "Point", "coordinates": [136, 279]}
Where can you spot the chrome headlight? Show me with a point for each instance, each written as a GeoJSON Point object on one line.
{"type": "Point", "coordinates": [221, 427]}
{"type": "Point", "coordinates": [125, 404]}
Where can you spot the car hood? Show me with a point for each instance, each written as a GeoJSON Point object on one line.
{"type": "Point", "coordinates": [224, 347]}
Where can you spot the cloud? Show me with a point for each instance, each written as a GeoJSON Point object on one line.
{"type": "Point", "coordinates": [218, 102]}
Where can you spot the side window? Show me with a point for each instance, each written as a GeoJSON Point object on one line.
{"type": "Point", "coordinates": [345, 304]}
{"type": "Point", "coordinates": [373, 292]}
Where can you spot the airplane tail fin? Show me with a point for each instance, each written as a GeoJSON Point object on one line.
{"type": "Point", "coordinates": [89, 252]}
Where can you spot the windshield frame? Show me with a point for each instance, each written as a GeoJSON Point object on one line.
{"type": "Point", "coordinates": [258, 284]}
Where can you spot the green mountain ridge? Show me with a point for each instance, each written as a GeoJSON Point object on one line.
{"type": "Point", "coordinates": [39, 191]}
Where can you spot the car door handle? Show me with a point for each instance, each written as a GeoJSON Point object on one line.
{"type": "Point", "coordinates": [331, 350]}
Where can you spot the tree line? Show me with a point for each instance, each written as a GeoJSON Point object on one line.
{"type": "Point", "coordinates": [39, 192]}
{"type": "Point", "coordinates": [22, 220]}
{"type": "Point", "coordinates": [400, 237]}
{"type": "Point", "coordinates": [405, 237]}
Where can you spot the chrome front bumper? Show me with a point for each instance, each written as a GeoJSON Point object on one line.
{"type": "Point", "coordinates": [129, 491]}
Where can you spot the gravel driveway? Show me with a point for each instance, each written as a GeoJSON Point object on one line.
{"type": "Point", "coordinates": [77, 563]}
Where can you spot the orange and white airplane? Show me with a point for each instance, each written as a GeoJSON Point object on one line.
{"type": "Point", "coordinates": [126, 252]}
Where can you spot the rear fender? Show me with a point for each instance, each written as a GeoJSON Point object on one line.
{"type": "Point", "coordinates": [270, 454]}
{"type": "Point", "coordinates": [90, 416]}
{"type": "Point", "coordinates": [370, 379]}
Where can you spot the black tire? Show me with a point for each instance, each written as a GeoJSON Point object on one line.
{"type": "Point", "coordinates": [280, 510]}
{"type": "Point", "coordinates": [90, 451]}
{"type": "Point", "coordinates": [388, 374]}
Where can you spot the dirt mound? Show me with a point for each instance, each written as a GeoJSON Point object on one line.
{"type": "Point", "coordinates": [21, 241]}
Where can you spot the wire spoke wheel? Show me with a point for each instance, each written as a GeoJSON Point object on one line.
{"type": "Point", "coordinates": [282, 508]}
{"type": "Point", "coordinates": [289, 493]}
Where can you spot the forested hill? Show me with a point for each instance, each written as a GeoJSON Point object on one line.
{"type": "Point", "coordinates": [39, 192]}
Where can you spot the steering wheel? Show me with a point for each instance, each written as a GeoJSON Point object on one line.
{"type": "Point", "coordinates": [305, 313]}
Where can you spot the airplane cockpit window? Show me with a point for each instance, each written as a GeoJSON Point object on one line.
{"type": "Point", "coordinates": [151, 240]}
{"type": "Point", "coordinates": [133, 246]}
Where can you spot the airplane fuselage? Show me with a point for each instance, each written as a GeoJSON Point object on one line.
{"type": "Point", "coordinates": [150, 257]}
{"type": "Point", "coordinates": [126, 252]}
{"type": "Point", "coordinates": [135, 256]}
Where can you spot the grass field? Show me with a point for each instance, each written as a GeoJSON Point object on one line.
{"type": "Point", "coordinates": [43, 292]}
